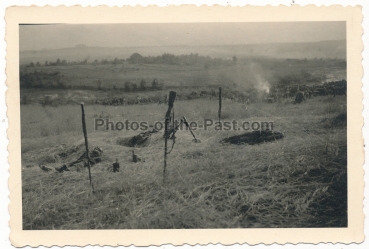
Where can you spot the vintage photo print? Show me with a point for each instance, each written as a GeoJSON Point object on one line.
{"type": "Point", "coordinates": [150, 125]}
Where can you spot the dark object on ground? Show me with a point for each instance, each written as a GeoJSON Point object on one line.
{"type": "Point", "coordinates": [61, 169]}
{"type": "Point", "coordinates": [45, 168]}
{"type": "Point", "coordinates": [29, 166]}
{"type": "Point", "coordinates": [95, 157]}
{"type": "Point", "coordinates": [299, 97]}
{"type": "Point", "coordinates": [137, 140]}
{"type": "Point", "coordinates": [116, 166]}
{"type": "Point", "coordinates": [135, 159]}
{"type": "Point", "coordinates": [254, 137]}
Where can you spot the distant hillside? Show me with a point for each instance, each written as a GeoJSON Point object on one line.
{"type": "Point", "coordinates": [323, 49]}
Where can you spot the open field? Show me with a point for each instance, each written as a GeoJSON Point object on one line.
{"type": "Point", "coordinates": [297, 181]}
{"type": "Point", "coordinates": [90, 83]}
{"type": "Point", "coordinates": [245, 73]}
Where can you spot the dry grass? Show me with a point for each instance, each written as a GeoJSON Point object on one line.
{"type": "Point", "coordinates": [298, 181]}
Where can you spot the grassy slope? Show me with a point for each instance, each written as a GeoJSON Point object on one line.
{"type": "Point", "coordinates": [298, 181]}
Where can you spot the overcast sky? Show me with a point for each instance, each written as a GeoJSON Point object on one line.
{"type": "Point", "coordinates": [37, 37]}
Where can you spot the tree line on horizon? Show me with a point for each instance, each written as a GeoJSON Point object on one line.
{"type": "Point", "coordinates": [55, 80]}
{"type": "Point", "coordinates": [136, 58]}
{"type": "Point", "coordinates": [171, 59]}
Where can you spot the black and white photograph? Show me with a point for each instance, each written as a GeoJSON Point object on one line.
{"type": "Point", "coordinates": [183, 125]}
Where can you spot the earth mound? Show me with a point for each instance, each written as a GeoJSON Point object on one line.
{"type": "Point", "coordinates": [136, 141]}
{"type": "Point", "coordinates": [254, 137]}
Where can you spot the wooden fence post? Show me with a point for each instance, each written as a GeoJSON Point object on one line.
{"type": "Point", "coordinates": [220, 103]}
{"type": "Point", "coordinates": [189, 127]}
{"type": "Point", "coordinates": [86, 144]}
{"type": "Point", "coordinates": [172, 97]}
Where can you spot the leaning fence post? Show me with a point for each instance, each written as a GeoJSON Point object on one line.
{"type": "Point", "coordinates": [189, 127]}
{"type": "Point", "coordinates": [220, 103]}
{"type": "Point", "coordinates": [86, 144]}
{"type": "Point", "coordinates": [172, 97]}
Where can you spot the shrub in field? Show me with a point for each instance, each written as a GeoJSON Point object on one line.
{"type": "Point", "coordinates": [127, 86]}
{"type": "Point", "coordinates": [143, 84]}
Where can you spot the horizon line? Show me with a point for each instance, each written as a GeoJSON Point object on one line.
{"type": "Point", "coordinates": [261, 43]}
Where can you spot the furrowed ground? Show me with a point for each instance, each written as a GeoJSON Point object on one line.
{"type": "Point", "coordinates": [297, 181]}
